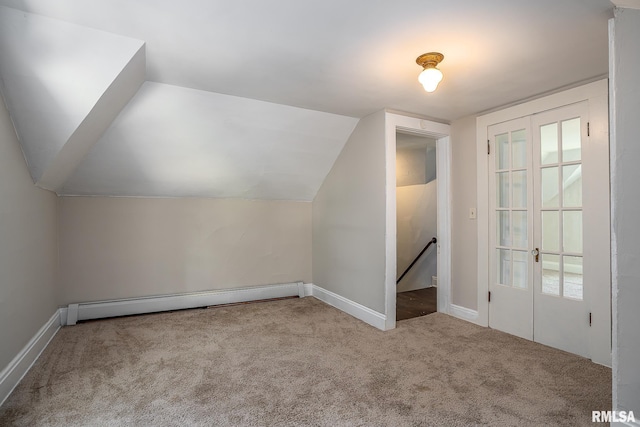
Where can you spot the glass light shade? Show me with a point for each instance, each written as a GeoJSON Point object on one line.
{"type": "Point", "coordinates": [429, 78]}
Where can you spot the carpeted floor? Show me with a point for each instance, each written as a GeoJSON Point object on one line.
{"type": "Point", "coordinates": [300, 362]}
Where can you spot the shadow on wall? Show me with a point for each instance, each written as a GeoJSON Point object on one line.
{"type": "Point", "coordinates": [416, 209]}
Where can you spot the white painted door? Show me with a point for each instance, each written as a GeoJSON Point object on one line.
{"type": "Point", "coordinates": [561, 311]}
{"type": "Point", "coordinates": [546, 246]}
{"type": "Point", "coordinates": [510, 230]}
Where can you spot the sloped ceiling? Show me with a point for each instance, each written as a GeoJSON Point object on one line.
{"type": "Point", "coordinates": [174, 141]}
{"type": "Point", "coordinates": [53, 76]}
{"type": "Point", "coordinates": [344, 58]}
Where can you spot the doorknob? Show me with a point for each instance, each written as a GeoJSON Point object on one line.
{"type": "Point", "coordinates": [536, 253]}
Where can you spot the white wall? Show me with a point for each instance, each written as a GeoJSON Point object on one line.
{"type": "Point", "coordinates": [464, 231]}
{"type": "Point", "coordinates": [415, 159]}
{"type": "Point", "coordinates": [416, 209]}
{"type": "Point", "coordinates": [114, 248]}
{"type": "Point", "coordinates": [625, 199]}
{"type": "Point", "coordinates": [349, 219]}
{"type": "Point", "coordinates": [416, 224]}
{"type": "Point", "coordinates": [28, 248]}
{"type": "Point", "coordinates": [410, 164]}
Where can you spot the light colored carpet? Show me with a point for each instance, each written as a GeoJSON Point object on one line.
{"type": "Point", "coordinates": [300, 362]}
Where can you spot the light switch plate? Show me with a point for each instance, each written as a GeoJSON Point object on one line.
{"type": "Point", "coordinates": [472, 213]}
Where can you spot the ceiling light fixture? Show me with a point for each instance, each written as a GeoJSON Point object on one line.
{"type": "Point", "coordinates": [430, 76]}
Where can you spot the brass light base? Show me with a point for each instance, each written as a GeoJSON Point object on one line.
{"type": "Point", "coordinates": [429, 60]}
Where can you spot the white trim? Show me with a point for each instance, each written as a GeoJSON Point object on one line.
{"type": "Point", "coordinates": [11, 376]}
{"type": "Point", "coordinates": [463, 313]}
{"type": "Point", "coordinates": [440, 132]}
{"type": "Point", "coordinates": [443, 168]}
{"type": "Point", "coordinates": [152, 304]}
{"type": "Point", "coordinates": [367, 315]}
{"type": "Point", "coordinates": [390, 234]}
{"type": "Point", "coordinates": [570, 96]}
{"type": "Point", "coordinates": [613, 114]}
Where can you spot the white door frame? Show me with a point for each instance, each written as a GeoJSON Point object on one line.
{"type": "Point", "coordinates": [596, 94]}
{"type": "Point", "coordinates": [440, 132]}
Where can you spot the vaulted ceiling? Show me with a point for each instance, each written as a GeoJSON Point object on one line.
{"type": "Point", "coordinates": [256, 99]}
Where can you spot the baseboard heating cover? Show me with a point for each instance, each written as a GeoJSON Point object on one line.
{"type": "Point", "coordinates": [152, 304]}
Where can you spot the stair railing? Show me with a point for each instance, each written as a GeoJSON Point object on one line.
{"type": "Point", "coordinates": [432, 241]}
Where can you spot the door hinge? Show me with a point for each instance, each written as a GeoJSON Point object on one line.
{"type": "Point", "coordinates": [589, 318]}
{"type": "Point", "coordinates": [588, 129]}
{"type": "Point", "coordinates": [489, 296]}
{"type": "Point", "coordinates": [488, 147]}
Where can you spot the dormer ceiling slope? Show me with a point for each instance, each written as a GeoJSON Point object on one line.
{"type": "Point", "coordinates": [63, 85]}
{"type": "Point", "coordinates": [255, 99]}
{"type": "Point", "coordinates": [175, 141]}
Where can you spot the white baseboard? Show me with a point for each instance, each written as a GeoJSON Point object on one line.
{"type": "Point", "coordinates": [20, 365]}
{"type": "Point", "coordinates": [153, 304]}
{"type": "Point", "coordinates": [463, 313]}
{"type": "Point", "coordinates": [367, 315]}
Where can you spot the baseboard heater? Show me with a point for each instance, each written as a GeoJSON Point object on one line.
{"type": "Point", "coordinates": [153, 304]}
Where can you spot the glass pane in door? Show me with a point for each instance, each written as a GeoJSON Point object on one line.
{"type": "Point", "coordinates": [572, 277]}
{"type": "Point", "coordinates": [504, 267]}
{"type": "Point", "coordinates": [502, 192]}
{"type": "Point", "coordinates": [519, 189]}
{"type": "Point", "coordinates": [572, 232]}
{"type": "Point", "coordinates": [549, 144]}
{"type": "Point", "coordinates": [520, 229]}
{"type": "Point", "coordinates": [512, 240]}
{"type": "Point", "coordinates": [549, 184]}
{"type": "Point", "coordinates": [503, 228]}
{"type": "Point", "coordinates": [560, 200]}
{"type": "Point", "coordinates": [520, 269]}
{"type": "Point", "coordinates": [550, 274]}
{"type": "Point", "coordinates": [519, 149]}
{"type": "Point", "coordinates": [550, 231]}
{"type": "Point", "coordinates": [571, 142]}
{"type": "Point", "coordinates": [502, 151]}
{"type": "Point", "coordinates": [572, 186]}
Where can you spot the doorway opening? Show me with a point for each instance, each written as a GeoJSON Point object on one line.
{"type": "Point", "coordinates": [396, 123]}
{"type": "Point", "coordinates": [416, 226]}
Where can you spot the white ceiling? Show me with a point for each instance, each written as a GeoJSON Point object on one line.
{"type": "Point", "coordinates": [358, 56]}
{"type": "Point", "coordinates": [348, 58]}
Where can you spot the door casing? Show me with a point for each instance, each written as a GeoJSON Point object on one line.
{"type": "Point", "coordinates": [440, 132]}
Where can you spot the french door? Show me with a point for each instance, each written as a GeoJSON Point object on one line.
{"type": "Point", "coordinates": [511, 228]}
{"type": "Point", "coordinates": [538, 285]}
